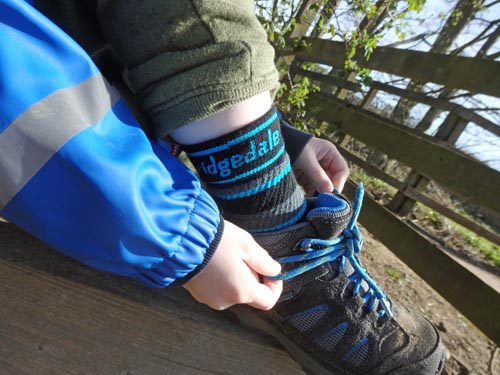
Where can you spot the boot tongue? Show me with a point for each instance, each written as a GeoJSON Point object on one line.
{"type": "Point", "coordinates": [330, 216]}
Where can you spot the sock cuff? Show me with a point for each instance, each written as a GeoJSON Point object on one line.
{"type": "Point", "coordinates": [235, 157]}
{"type": "Point", "coordinates": [230, 137]}
{"type": "Point", "coordinates": [248, 172]}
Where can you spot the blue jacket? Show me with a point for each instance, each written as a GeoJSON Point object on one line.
{"type": "Point", "coordinates": [78, 172]}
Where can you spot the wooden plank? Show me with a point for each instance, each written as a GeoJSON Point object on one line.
{"type": "Point", "coordinates": [401, 204]}
{"type": "Point", "coordinates": [444, 165]}
{"type": "Point", "coordinates": [439, 103]}
{"type": "Point", "coordinates": [473, 74]}
{"type": "Point", "coordinates": [342, 93]}
{"type": "Point", "coordinates": [305, 16]}
{"type": "Point", "coordinates": [332, 80]}
{"type": "Point", "coordinates": [476, 299]}
{"type": "Point", "coordinates": [60, 317]}
{"type": "Point", "coordinates": [449, 131]}
{"type": "Point", "coordinates": [451, 128]}
{"type": "Point", "coordinates": [416, 195]}
{"type": "Point", "coordinates": [368, 98]}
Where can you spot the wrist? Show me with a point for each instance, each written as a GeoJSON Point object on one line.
{"type": "Point", "coordinates": [295, 140]}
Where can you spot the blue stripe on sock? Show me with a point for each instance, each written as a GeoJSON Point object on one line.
{"type": "Point", "coordinates": [269, 184]}
{"type": "Point", "coordinates": [236, 140]}
{"type": "Point", "coordinates": [287, 223]}
{"type": "Point", "coordinates": [253, 171]}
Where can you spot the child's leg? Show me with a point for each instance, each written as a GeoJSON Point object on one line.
{"type": "Point", "coordinates": [240, 155]}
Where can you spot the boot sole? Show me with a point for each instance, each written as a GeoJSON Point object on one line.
{"type": "Point", "coordinates": [433, 364]}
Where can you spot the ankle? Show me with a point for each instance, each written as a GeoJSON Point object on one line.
{"type": "Point", "coordinates": [248, 172]}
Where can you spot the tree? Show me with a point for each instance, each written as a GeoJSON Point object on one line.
{"type": "Point", "coordinates": [462, 14]}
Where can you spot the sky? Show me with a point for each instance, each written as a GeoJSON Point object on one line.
{"type": "Point", "coordinates": [475, 141]}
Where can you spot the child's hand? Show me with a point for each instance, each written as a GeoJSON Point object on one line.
{"type": "Point", "coordinates": [232, 275]}
{"type": "Point", "coordinates": [320, 167]}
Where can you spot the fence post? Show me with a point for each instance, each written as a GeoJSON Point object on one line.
{"type": "Point", "coordinates": [449, 131]}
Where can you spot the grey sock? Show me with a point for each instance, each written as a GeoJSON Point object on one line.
{"type": "Point", "coordinates": [248, 173]}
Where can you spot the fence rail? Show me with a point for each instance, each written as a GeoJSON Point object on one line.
{"type": "Point", "coordinates": [439, 103]}
{"type": "Point", "coordinates": [475, 75]}
{"type": "Point", "coordinates": [416, 195]}
{"type": "Point", "coordinates": [431, 158]}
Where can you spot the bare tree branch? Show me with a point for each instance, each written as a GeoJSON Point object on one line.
{"type": "Point", "coordinates": [395, 81]}
{"type": "Point", "coordinates": [436, 91]}
{"type": "Point", "coordinates": [421, 41]}
{"type": "Point", "coordinates": [492, 38]}
{"type": "Point", "coordinates": [493, 56]}
{"type": "Point", "coordinates": [478, 38]}
{"type": "Point", "coordinates": [492, 3]}
{"type": "Point", "coordinates": [275, 7]}
{"type": "Point", "coordinates": [483, 20]}
{"type": "Point", "coordinates": [484, 109]}
{"type": "Point", "coordinates": [418, 37]}
{"type": "Point", "coordinates": [464, 95]}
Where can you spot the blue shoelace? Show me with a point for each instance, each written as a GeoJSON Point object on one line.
{"type": "Point", "coordinates": [345, 247]}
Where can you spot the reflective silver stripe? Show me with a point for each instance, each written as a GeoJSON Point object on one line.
{"type": "Point", "coordinates": [40, 131]}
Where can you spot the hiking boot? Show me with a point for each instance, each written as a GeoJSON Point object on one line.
{"type": "Point", "coordinates": [332, 316]}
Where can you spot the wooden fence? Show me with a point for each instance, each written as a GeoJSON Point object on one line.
{"type": "Point", "coordinates": [430, 158]}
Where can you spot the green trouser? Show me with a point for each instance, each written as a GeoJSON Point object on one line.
{"type": "Point", "coordinates": [187, 59]}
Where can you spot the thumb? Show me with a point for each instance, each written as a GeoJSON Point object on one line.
{"type": "Point", "coordinates": [264, 295]}
{"type": "Point", "coordinates": [320, 179]}
{"type": "Point", "coordinates": [261, 262]}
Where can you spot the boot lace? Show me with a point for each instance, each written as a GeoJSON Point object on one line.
{"type": "Point", "coordinates": [345, 247]}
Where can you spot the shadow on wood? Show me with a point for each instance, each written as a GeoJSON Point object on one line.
{"type": "Point", "coordinates": [60, 317]}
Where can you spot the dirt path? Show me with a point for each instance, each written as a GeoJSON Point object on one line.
{"type": "Point", "coordinates": [470, 351]}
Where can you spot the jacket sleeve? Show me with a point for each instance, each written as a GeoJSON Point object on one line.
{"type": "Point", "coordinates": [78, 172]}
{"type": "Point", "coordinates": [295, 140]}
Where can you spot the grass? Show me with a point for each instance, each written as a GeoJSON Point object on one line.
{"type": "Point", "coordinates": [393, 273]}
{"type": "Point", "coordinates": [375, 186]}
{"type": "Point", "coordinates": [457, 235]}
{"type": "Point", "coordinates": [489, 249]}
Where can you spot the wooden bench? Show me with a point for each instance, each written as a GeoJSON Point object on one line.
{"type": "Point", "coordinates": [60, 317]}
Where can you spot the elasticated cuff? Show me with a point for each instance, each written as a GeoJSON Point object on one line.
{"type": "Point", "coordinates": [208, 256]}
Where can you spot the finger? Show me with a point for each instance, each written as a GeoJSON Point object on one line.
{"type": "Point", "coordinates": [309, 189]}
{"type": "Point", "coordinates": [306, 185]}
{"type": "Point", "coordinates": [320, 179]}
{"type": "Point", "coordinates": [340, 174]}
{"type": "Point", "coordinates": [337, 169]}
{"type": "Point", "coordinates": [340, 180]}
{"type": "Point", "coordinates": [264, 296]}
{"type": "Point", "coordinates": [261, 262]}
{"type": "Point", "coordinates": [276, 286]}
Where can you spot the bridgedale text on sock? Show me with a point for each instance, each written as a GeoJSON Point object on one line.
{"type": "Point", "coordinates": [226, 167]}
